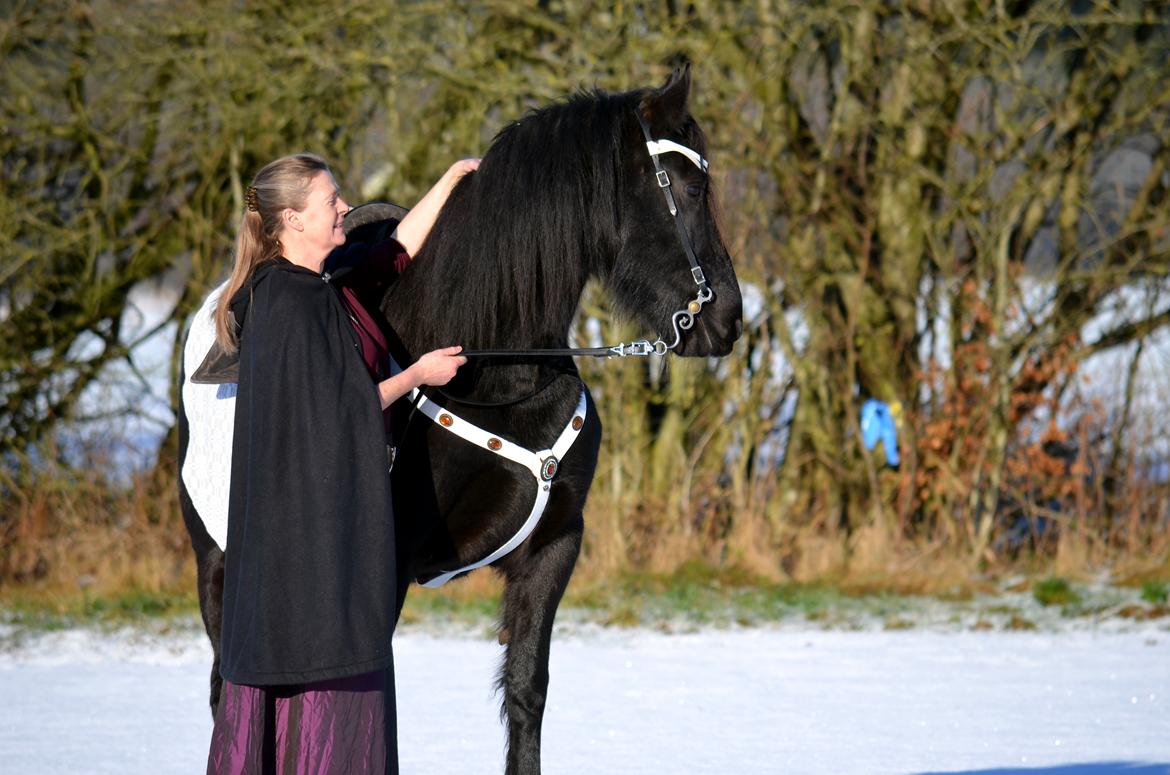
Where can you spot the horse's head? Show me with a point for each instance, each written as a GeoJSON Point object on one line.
{"type": "Point", "coordinates": [652, 275]}
{"type": "Point", "coordinates": [568, 191]}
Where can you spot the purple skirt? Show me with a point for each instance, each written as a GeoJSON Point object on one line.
{"type": "Point", "coordinates": [345, 725]}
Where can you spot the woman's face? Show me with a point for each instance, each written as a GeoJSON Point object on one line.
{"type": "Point", "coordinates": [323, 214]}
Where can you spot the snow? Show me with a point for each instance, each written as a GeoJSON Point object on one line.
{"type": "Point", "coordinates": [763, 700]}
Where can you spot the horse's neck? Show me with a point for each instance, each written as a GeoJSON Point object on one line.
{"type": "Point", "coordinates": [417, 308]}
{"type": "Point", "coordinates": [496, 273]}
{"type": "Point", "coordinates": [410, 306]}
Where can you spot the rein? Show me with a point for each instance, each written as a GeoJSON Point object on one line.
{"type": "Point", "coordinates": [681, 320]}
{"type": "Point", "coordinates": [540, 388]}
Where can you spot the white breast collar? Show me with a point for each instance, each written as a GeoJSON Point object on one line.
{"type": "Point", "coordinates": [543, 466]}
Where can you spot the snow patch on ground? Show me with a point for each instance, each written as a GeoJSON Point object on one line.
{"type": "Point", "coordinates": [759, 700]}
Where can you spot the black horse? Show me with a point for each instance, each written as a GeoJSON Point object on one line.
{"type": "Point", "coordinates": [567, 193]}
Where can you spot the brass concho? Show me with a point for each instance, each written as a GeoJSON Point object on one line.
{"type": "Point", "coordinates": [446, 420]}
{"type": "Point", "coordinates": [578, 422]}
{"type": "Point", "coordinates": [494, 444]}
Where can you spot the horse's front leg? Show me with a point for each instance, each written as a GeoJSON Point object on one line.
{"type": "Point", "coordinates": [532, 591]}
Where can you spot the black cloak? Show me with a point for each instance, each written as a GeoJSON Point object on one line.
{"type": "Point", "coordinates": [309, 580]}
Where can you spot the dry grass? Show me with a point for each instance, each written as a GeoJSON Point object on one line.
{"type": "Point", "coordinates": [69, 532]}
{"type": "Point", "coordinates": [70, 535]}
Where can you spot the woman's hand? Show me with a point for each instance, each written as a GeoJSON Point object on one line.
{"type": "Point", "coordinates": [438, 367]}
{"type": "Point", "coordinates": [458, 170]}
{"type": "Point", "coordinates": [435, 368]}
{"type": "Point", "coordinates": [415, 227]}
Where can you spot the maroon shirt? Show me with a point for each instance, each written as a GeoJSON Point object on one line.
{"type": "Point", "coordinates": [385, 261]}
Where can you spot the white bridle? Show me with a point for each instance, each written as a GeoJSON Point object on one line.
{"type": "Point", "coordinates": [683, 319]}
{"type": "Point", "coordinates": [657, 147]}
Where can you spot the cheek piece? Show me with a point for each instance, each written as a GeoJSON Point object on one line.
{"type": "Point", "coordinates": [683, 319]}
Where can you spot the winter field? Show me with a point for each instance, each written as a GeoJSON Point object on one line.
{"type": "Point", "coordinates": [1084, 699]}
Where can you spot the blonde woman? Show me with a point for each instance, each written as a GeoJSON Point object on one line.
{"type": "Point", "coordinates": [310, 580]}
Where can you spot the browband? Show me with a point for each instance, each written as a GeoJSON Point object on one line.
{"type": "Point", "coordinates": [656, 147]}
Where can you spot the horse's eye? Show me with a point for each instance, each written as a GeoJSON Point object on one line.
{"type": "Point", "coordinates": [694, 190]}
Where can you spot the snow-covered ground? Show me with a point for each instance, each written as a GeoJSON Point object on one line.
{"type": "Point", "coordinates": [1091, 701]}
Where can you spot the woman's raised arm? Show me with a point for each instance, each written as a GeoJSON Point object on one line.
{"type": "Point", "coordinates": [413, 230]}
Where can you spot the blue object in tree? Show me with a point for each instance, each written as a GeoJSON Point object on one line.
{"type": "Point", "coordinates": [877, 424]}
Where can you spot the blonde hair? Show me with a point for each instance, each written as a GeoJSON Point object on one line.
{"type": "Point", "coordinates": [282, 184]}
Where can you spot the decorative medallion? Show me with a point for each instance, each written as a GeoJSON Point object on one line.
{"type": "Point", "coordinates": [494, 444]}
{"type": "Point", "coordinates": [578, 422]}
{"type": "Point", "coordinates": [694, 307]}
{"type": "Point", "coordinates": [446, 420]}
{"type": "Point", "coordinates": [548, 469]}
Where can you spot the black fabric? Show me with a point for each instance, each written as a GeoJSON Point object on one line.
{"type": "Point", "coordinates": [368, 268]}
{"type": "Point", "coordinates": [309, 584]}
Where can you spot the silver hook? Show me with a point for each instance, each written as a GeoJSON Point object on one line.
{"type": "Point", "coordinates": [684, 319]}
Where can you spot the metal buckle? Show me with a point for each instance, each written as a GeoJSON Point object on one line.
{"type": "Point", "coordinates": [663, 180]}
{"type": "Point", "coordinates": [638, 348]}
{"type": "Point", "coordinates": [697, 273]}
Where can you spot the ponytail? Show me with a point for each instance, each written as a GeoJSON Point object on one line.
{"type": "Point", "coordinates": [282, 184]}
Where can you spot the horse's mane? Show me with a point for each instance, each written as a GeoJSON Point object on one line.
{"type": "Point", "coordinates": [505, 268]}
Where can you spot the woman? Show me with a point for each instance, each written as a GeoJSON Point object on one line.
{"type": "Point", "coordinates": [310, 580]}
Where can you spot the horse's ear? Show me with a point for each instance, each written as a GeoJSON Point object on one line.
{"type": "Point", "coordinates": [666, 108]}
